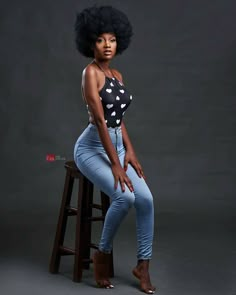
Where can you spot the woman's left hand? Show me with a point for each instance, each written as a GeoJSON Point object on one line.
{"type": "Point", "coordinates": [131, 158]}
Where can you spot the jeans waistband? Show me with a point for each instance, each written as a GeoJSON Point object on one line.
{"type": "Point", "coordinates": [116, 129]}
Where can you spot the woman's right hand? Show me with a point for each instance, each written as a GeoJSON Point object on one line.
{"type": "Point", "coordinates": [121, 176]}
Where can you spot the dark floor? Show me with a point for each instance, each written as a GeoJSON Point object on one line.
{"type": "Point", "coordinates": [194, 253]}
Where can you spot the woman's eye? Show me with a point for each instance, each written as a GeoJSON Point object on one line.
{"type": "Point", "coordinates": [100, 40]}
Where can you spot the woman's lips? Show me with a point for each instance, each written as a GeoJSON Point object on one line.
{"type": "Point", "coordinates": [107, 52]}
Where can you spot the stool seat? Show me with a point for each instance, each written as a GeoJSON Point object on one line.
{"type": "Point", "coordinates": [84, 219]}
{"type": "Point", "coordinates": [72, 166]}
{"type": "Point", "coordinates": [73, 169]}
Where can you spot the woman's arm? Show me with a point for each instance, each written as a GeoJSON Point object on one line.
{"type": "Point", "coordinates": [89, 84]}
{"type": "Point", "coordinates": [126, 139]}
{"type": "Point", "coordinates": [130, 156]}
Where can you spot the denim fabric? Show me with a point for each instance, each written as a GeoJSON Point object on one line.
{"type": "Point", "coordinates": [92, 160]}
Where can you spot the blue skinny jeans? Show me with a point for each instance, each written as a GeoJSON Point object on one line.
{"type": "Point", "coordinates": [92, 160]}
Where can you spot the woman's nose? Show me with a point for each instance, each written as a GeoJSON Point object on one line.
{"type": "Point", "coordinates": [107, 44]}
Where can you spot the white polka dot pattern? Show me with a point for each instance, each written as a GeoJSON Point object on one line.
{"type": "Point", "coordinates": [115, 99]}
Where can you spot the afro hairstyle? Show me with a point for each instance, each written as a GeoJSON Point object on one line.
{"type": "Point", "coordinates": [93, 21]}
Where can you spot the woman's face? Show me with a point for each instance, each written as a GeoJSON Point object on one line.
{"type": "Point", "coordinates": [105, 46]}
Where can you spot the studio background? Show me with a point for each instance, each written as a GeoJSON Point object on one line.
{"type": "Point", "coordinates": [181, 70]}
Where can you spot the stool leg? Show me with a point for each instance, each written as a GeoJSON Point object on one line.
{"type": "Point", "coordinates": [61, 225]}
{"type": "Point", "coordinates": [80, 225]}
{"type": "Point", "coordinates": [105, 200]}
{"type": "Point", "coordinates": [87, 224]}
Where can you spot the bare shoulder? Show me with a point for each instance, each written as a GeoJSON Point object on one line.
{"type": "Point", "coordinates": [89, 72]}
{"type": "Point", "coordinates": [117, 75]}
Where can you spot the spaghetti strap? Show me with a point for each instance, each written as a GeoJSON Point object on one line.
{"type": "Point", "coordinates": [113, 76]}
{"type": "Point", "coordinates": [99, 66]}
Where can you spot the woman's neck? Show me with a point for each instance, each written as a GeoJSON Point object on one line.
{"type": "Point", "coordinates": [103, 64]}
{"type": "Point", "coordinates": [104, 67]}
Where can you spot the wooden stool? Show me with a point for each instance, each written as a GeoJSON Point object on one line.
{"type": "Point", "coordinates": [84, 219]}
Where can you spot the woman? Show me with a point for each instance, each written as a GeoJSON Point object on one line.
{"type": "Point", "coordinates": [103, 152]}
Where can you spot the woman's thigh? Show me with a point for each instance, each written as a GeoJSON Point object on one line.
{"type": "Point", "coordinates": [96, 167]}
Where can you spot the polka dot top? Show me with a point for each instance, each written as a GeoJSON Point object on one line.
{"type": "Point", "coordinates": [115, 99]}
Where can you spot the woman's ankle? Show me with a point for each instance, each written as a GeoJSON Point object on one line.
{"type": "Point", "coordinates": [101, 257]}
{"type": "Point", "coordinates": [143, 263]}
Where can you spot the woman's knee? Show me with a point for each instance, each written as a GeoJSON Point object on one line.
{"type": "Point", "coordinates": [125, 199]}
{"type": "Point", "coordinates": [144, 200]}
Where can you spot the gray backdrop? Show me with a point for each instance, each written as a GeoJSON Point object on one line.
{"type": "Point", "coordinates": [181, 70]}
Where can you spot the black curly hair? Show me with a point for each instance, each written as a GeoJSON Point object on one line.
{"type": "Point", "coordinates": [93, 21]}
